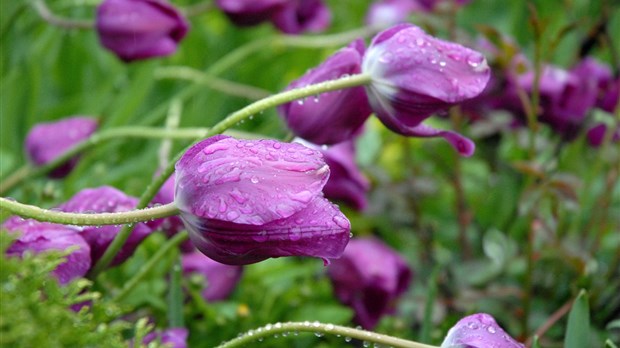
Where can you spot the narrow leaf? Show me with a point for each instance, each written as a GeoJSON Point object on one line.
{"type": "Point", "coordinates": [578, 329]}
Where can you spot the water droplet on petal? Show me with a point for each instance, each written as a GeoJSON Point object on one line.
{"type": "Point", "coordinates": [261, 237]}
{"type": "Point", "coordinates": [472, 325]}
{"type": "Point", "coordinates": [491, 329]}
{"type": "Point", "coordinates": [254, 180]}
{"type": "Point", "coordinates": [341, 221]}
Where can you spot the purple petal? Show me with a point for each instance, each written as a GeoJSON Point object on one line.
{"type": "Point", "coordinates": [596, 135]}
{"type": "Point", "coordinates": [478, 331]}
{"type": "Point", "coordinates": [390, 12]}
{"type": "Point", "coordinates": [221, 279]}
{"type": "Point", "coordinates": [140, 29]}
{"type": "Point", "coordinates": [299, 16]}
{"type": "Point", "coordinates": [464, 146]}
{"type": "Point", "coordinates": [250, 12]}
{"type": "Point", "coordinates": [318, 230]}
{"type": "Point", "coordinates": [173, 337]}
{"type": "Point", "coordinates": [369, 277]}
{"type": "Point", "coordinates": [248, 181]}
{"type": "Point", "coordinates": [106, 199]}
{"type": "Point", "coordinates": [331, 117]}
{"type": "Point", "coordinates": [47, 141]}
{"type": "Point", "coordinates": [38, 237]}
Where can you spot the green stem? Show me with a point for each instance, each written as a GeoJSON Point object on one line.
{"type": "Point", "coordinates": [85, 219]}
{"type": "Point", "coordinates": [150, 264]}
{"type": "Point", "coordinates": [234, 118]}
{"type": "Point", "coordinates": [16, 177]}
{"type": "Point", "coordinates": [269, 330]}
{"type": "Point", "coordinates": [111, 133]}
{"type": "Point", "coordinates": [225, 86]}
{"type": "Point", "coordinates": [47, 15]}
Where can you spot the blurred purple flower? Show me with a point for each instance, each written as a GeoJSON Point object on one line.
{"type": "Point", "coordinates": [390, 12]}
{"type": "Point", "coordinates": [415, 75]}
{"type": "Point", "coordinates": [47, 141]}
{"type": "Point", "coordinates": [106, 199]}
{"type": "Point", "coordinates": [39, 237]}
{"type": "Point", "coordinates": [430, 5]}
{"type": "Point", "coordinates": [221, 279]}
{"type": "Point", "coordinates": [331, 117]}
{"type": "Point", "coordinates": [369, 277]}
{"type": "Point", "coordinates": [250, 12]}
{"type": "Point", "coordinates": [171, 225]}
{"type": "Point", "coordinates": [299, 16]}
{"type": "Point", "coordinates": [244, 201]}
{"type": "Point", "coordinates": [173, 337]}
{"type": "Point", "coordinates": [596, 135]}
{"type": "Point", "coordinates": [346, 181]}
{"type": "Point", "coordinates": [140, 29]}
{"type": "Point", "coordinates": [589, 70]}
{"type": "Point", "coordinates": [478, 331]}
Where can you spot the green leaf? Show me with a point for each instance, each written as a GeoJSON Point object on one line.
{"type": "Point", "coordinates": [578, 328]}
{"type": "Point", "coordinates": [535, 343]}
{"type": "Point", "coordinates": [610, 344]}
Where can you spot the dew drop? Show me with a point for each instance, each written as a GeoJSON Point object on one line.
{"type": "Point", "coordinates": [472, 325]}
{"type": "Point", "coordinates": [442, 63]}
{"type": "Point", "coordinates": [366, 344]}
{"type": "Point", "coordinates": [491, 329]}
{"type": "Point", "coordinates": [341, 221]}
{"type": "Point", "coordinates": [254, 180]}
{"type": "Point", "coordinates": [232, 215]}
{"type": "Point", "coordinates": [386, 57]}
{"type": "Point", "coordinates": [300, 102]}
{"type": "Point", "coordinates": [318, 334]}
{"type": "Point", "coordinates": [329, 327]}
{"type": "Point", "coordinates": [347, 339]}
{"type": "Point", "coordinates": [261, 236]}
{"type": "Point", "coordinates": [268, 327]}
{"type": "Point", "coordinates": [419, 41]}
{"type": "Point", "coordinates": [277, 326]}
{"type": "Point", "coordinates": [276, 145]}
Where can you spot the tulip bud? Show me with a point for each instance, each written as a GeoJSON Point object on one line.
{"type": "Point", "coordinates": [478, 331]}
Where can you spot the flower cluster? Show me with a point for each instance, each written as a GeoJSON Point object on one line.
{"type": "Point", "coordinates": [413, 76]}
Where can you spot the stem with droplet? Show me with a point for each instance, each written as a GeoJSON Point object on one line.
{"type": "Point", "coordinates": [269, 330]}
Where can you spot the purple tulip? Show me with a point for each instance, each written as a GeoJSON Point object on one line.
{"type": "Point", "coordinates": [173, 337]}
{"type": "Point", "coordinates": [244, 201]}
{"type": "Point", "coordinates": [607, 88]}
{"type": "Point", "coordinates": [415, 75]}
{"type": "Point", "coordinates": [596, 135]}
{"type": "Point", "coordinates": [331, 117]}
{"type": "Point", "coordinates": [250, 12]}
{"type": "Point", "coordinates": [390, 12]}
{"type": "Point", "coordinates": [299, 16]}
{"type": "Point", "coordinates": [369, 277]}
{"type": "Point", "coordinates": [221, 279]}
{"type": "Point", "coordinates": [478, 331]}
{"type": "Point", "coordinates": [106, 199]}
{"type": "Point", "coordinates": [140, 29]}
{"type": "Point", "coordinates": [47, 141]}
{"type": "Point", "coordinates": [346, 182]}
{"type": "Point", "coordinates": [39, 237]}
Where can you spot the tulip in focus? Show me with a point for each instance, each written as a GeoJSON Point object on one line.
{"type": "Point", "coordinates": [478, 331]}
{"type": "Point", "coordinates": [221, 279]}
{"type": "Point", "coordinates": [415, 75]}
{"type": "Point", "coordinates": [37, 237]}
{"type": "Point", "coordinates": [106, 199]}
{"type": "Point", "coordinates": [244, 201]}
{"type": "Point", "coordinates": [140, 29]}
{"type": "Point", "coordinates": [369, 277]}
{"type": "Point", "coordinates": [332, 117]}
{"type": "Point", "coordinates": [47, 141]}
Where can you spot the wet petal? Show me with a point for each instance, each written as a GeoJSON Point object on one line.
{"type": "Point", "coordinates": [478, 331]}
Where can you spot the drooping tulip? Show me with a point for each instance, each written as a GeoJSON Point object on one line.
{"type": "Point", "coordinates": [106, 199]}
{"type": "Point", "coordinates": [47, 141]}
{"type": "Point", "coordinates": [369, 277]}
{"type": "Point", "coordinates": [221, 279]}
{"type": "Point", "coordinates": [140, 29]}
{"type": "Point", "coordinates": [244, 201]}
{"type": "Point", "coordinates": [250, 12]}
{"type": "Point", "coordinates": [415, 75]}
{"type": "Point", "coordinates": [298, 16]}
{"type": "Point", "coordinates": [37, 237]}
{"type": "Point", "coordinates": [332, 117]}
{"type": "Point", "coordinates": [478, 331]}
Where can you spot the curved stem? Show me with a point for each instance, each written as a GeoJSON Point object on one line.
{"type": "Point", "coordinates": [225, 86]}
{"type": "Point", "coordinates": [234, 118]}
{"type": "Point", "coordinates": [269, 330]}
{"type": "Point", "coordinates": [86, 219]}
{"type": "Point", "coordinates": [15, 177]}
{"type": "Point", "coordinates": [111, 133]}
{"type": "Point", "coordinates": [150, 264]}
{"type": "Point", "coordinates": [47, 15]}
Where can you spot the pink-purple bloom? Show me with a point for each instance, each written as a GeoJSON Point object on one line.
{"type": "Point", "coordinates": [47, 141]}
{"type": "Point", "coordinates": [332, 117]}
{"type": "Point", "coordinates": [415, 75]}
{"type": "Point", "coordinates": [173, 337]}
{"type": "Point", "coordinates": [390, 12]}
{"type": "Point", "coordinates": [369, 277]}
{"type": "Point", "coordinates": [106, 199]}
{"type": "Point", "coordinates": [478, 331]}
{"type": "Point", "coordinates": [140, 29]}
{"type": "Point", "coordinates": [221, 279]}
{"type": "Point", "coordinates": [244, 201]}
{"type": "Point", "coordinates": [37, 237]}
{"type": "Point", "coordinates": [600, 78]}
{"type": "Point", "coordinates": [299, 16]}
{"type": "Point", "coordinates": [596, 135]}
